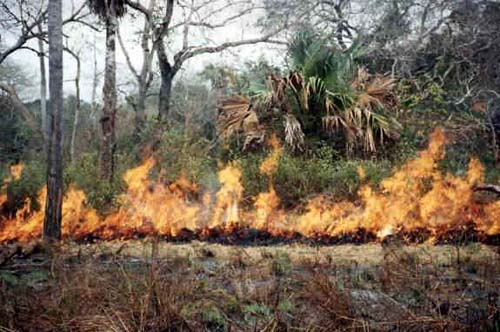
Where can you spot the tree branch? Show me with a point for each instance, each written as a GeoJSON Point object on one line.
{"type": "Point", "coordinates": [194, 51]}
{"type": "Point", "coordinates": [25, 113]}
{"type": "Point", "coordinates": [127, 56]}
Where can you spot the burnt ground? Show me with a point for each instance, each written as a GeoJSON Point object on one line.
{"type": "Point", "coordinates": [154, 285]}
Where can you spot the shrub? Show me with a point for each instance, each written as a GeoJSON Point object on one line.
{"type": "Point", "coordinates": [84, 173]}
{"type": "Point", "coordinates": [321, 172]}
{"type": "Point", "coordinates": [181, 155]}
{"type": "Point", "coordinates": [31, 181]}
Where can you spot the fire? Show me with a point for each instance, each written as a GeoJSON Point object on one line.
{"type": "Point", "coordinates": [150, 207]}
{"type": "Point", "coordinates": [417, 196]}
{"type": "Point", "coordinates": [271, 163]}
{"type": "Point", "coordinates": [28, 224]}
{"type": "Point", "coordinates": [226, 211]}
{"type": "Point", "coordinates": [266, 203]}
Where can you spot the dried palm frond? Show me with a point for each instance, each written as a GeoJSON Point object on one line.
{"type": "Point", "coordinates": [374, 91]}
{"type": "Point", "coordinates": [236, 116]}
{"type": "Point", "coordinates": [375, 95]}
{"type": "Point", "coordinates": [254, 139]}
{"type": "Point", "coordinates": [232, 115]}
{"type": "Point", "coordinates": [333, 123]}
{"type": "Point", "coordinates": [295, 81]}
{"type": "Point", "coordinates": [277, 86]}
{"type": "Point", "coordinates": [294, 136]}
{"type": "Point", "coordinates": [254, 132]}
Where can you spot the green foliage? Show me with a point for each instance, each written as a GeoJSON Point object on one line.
{"type": "Point", "coordinates": [182, 155]}
{"type": "Point", "coordinates": [213, 319]}
{"type": "Point", "coordinates": [315, 56]}
{"type": "Point", "coordinates": [84, 173]}
{"type": "Point", "coordinates": [15, 135]}
{"type": "Point", "coordinates": [325, 93]}
{"type": "Point", "coordinates": [334, 93]}
{"type": "Point", "coordinates": [28, 186]}
{"type": "Point", "coordinates": [422, 92]}
{"type": "Point", "coordinates": [250, 79]}
{"type": "Point", "coordinates": [253, 311]}
{"type": "Point", "coordinates": [320, 171]}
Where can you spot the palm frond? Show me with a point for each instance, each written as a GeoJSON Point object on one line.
{"type": "Point", "coordinates": [104, 8]}
{"type": "Point", "coordinates": [294, 136]}
{"type": "Point", "coordinates": [232, 114]}
{"type": "Point", "coordinates": [236, 116]}
{"type": "Point", "coordinates": [374, 97]}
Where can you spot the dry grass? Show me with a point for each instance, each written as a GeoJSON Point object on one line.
{"type": "Point", "coordinates": [148, 286]}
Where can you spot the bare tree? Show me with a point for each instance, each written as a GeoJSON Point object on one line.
{"type": "Point", "coordinates": [53, 206]}
{"type": "Point", "coordinates": [332, 17]}
{"type": "Point", "coordinates": [200, 14]}
{"type": "Point", "coordinates": [43, 83]}
{"type": "Point", "coordinates": [144, 77]}
{"type": "Point", "coordinates": [23, 18]}
{"type": "Point", "coordinates": [95, 82]}
{"type": "Point", "coordinates": [75, 56]}
{"type": "Point", "coordinates": [109, 11]}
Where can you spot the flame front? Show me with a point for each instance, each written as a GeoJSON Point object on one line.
{"type": "Point", "coordinates": [417, 196]}
{"type": "Point", "coordinates": [226, 211]}
{"type": "Point", "coordinates": [266, 203]}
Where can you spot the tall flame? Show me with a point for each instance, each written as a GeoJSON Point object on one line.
{"type": "Point", "coordinates": [416, 196]}
{"type": "Point", "coordinates": [266, 203]}
{"type": "Point", "coordinates": [226, 211]}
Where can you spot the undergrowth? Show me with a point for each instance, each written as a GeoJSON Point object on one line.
{"type": "Point", "coordinates": [200, 287]}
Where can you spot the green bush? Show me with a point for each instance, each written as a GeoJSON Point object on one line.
{"type": "Point", "coordinates": [84, 173]}
{"type": "Point", "coordinates": [180, 155]}
{"type": "Point", "coordinates": [300, 177]}
{"type": "Point", "coordinates": [31, 181]}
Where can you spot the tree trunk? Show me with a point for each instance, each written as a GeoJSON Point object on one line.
{"type": "Point", "coordinates": [43, 85]}
{"type": "Point", "coordinates": [167, 74]}
{"type": "Point", "coordinates": [95, 82]}
{"type": "Point", "coordinates": [145, 74]}
{"type": "Point", "coordinates": [140, 109]}
{"type": "Point", "coordinates": [77, 110]}
{"type": "Point", "coordinates": [53, 205]}
{"type": "Point", "coordinates": [165, 93]}
{"type": "Point", "coordinates": [110, 102]}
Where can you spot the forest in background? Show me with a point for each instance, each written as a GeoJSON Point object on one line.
{"type": "Point", "coordinates": [361, 84]}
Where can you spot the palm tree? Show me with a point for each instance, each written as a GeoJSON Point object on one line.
{"type": "Point", "coordinates": [53, 206]}
{"type": "Point", "coordinates": [341, 95]}
{"type": "Point", "coordinates": [327, 91]}
{"type": "Point", "coordinates": [109, 11]}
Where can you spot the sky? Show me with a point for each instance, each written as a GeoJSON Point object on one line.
{"type": "Point", "coordinates": [81, 39]}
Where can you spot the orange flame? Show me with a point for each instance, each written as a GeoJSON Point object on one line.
{"type": "Point", "coordinates": [416, 196]}
{"type": "Point", "coordinates": [266, 203]}
{"type": "Point", "coordinates": [226, 211]}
